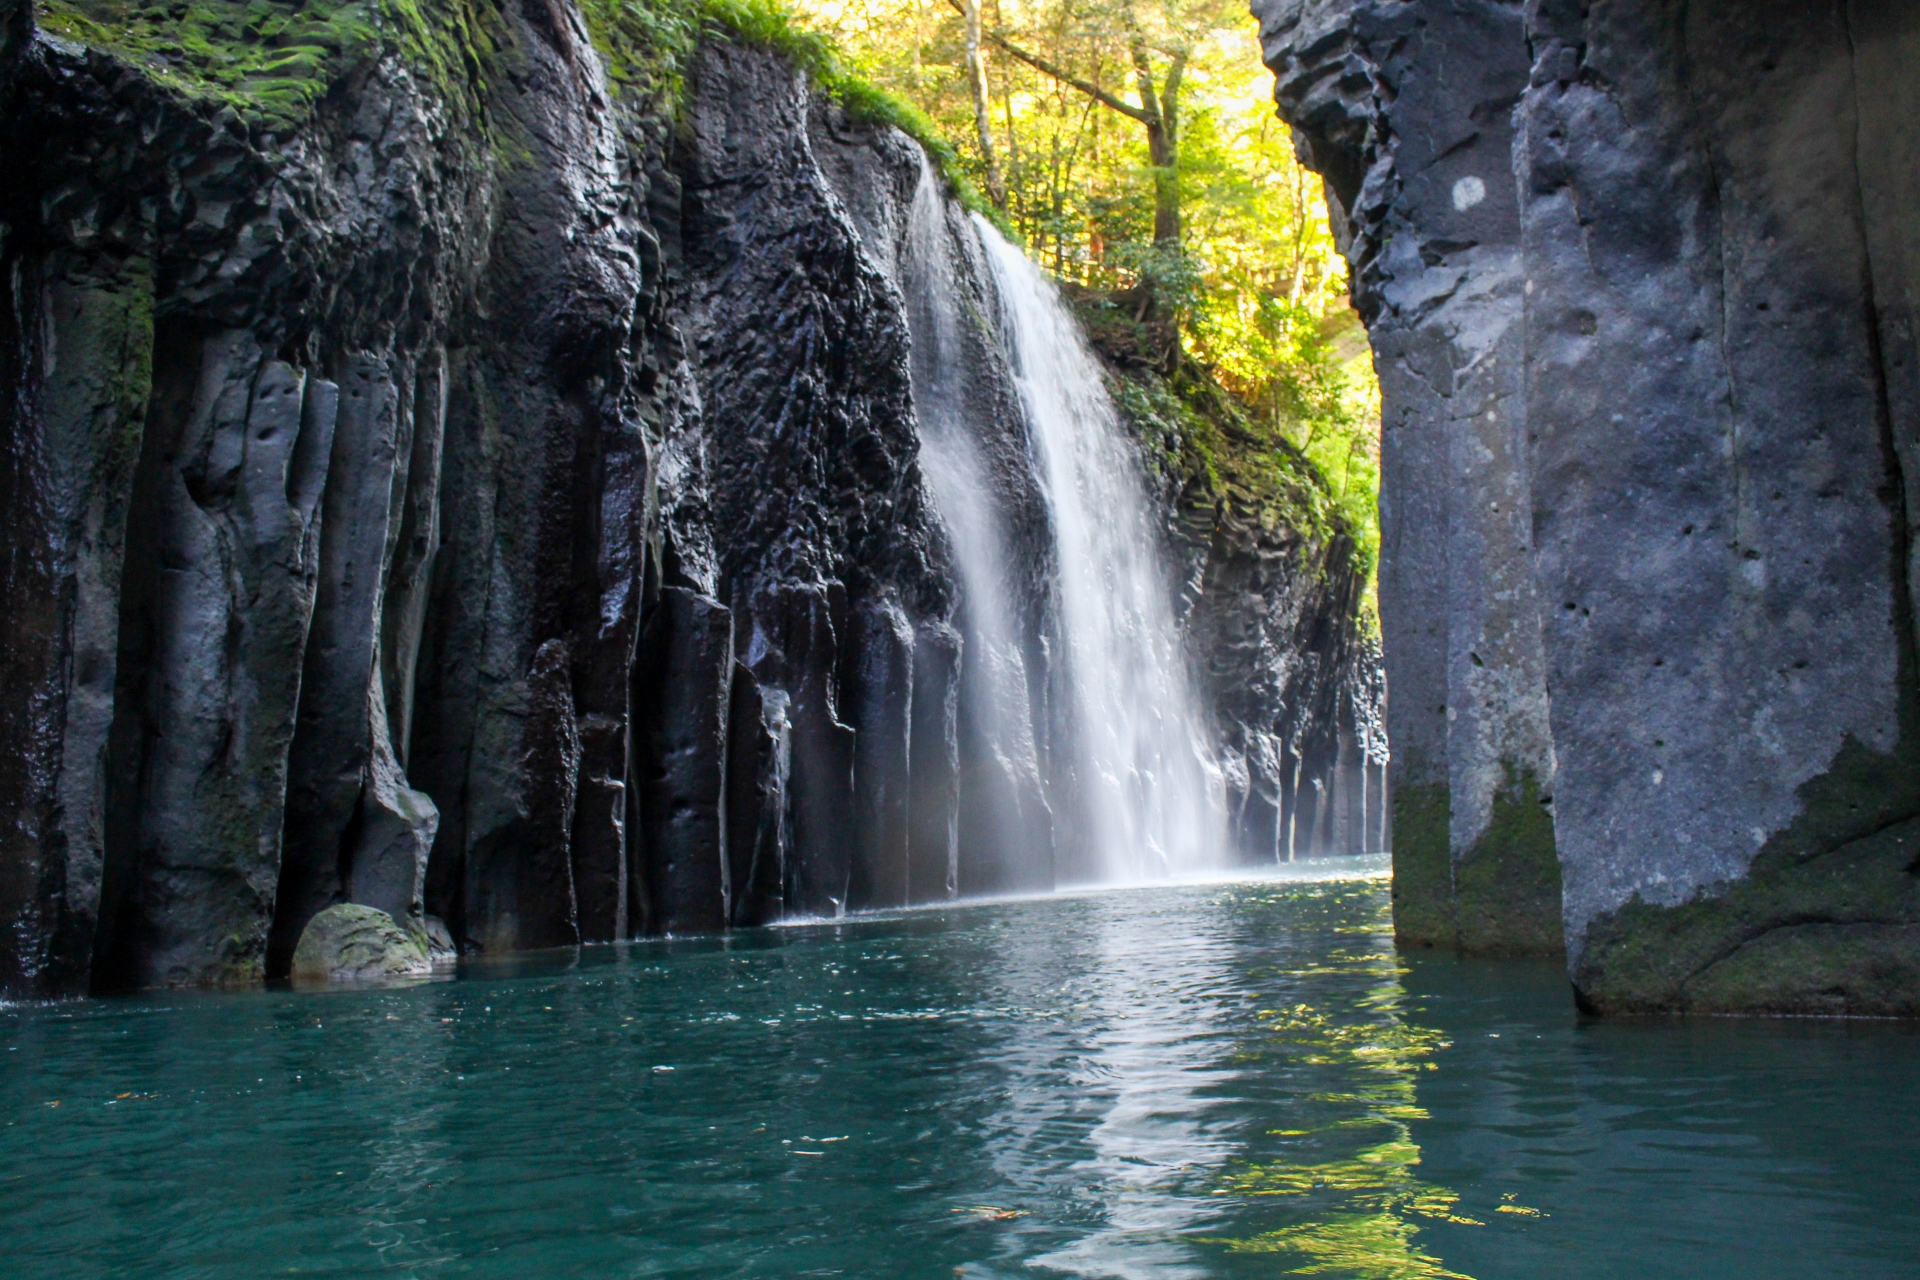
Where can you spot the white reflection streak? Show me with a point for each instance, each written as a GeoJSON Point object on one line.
{"type": "Point", "coordinates": [1107, 1105]}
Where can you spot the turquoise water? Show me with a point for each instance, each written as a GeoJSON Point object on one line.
{"type": "Point", "coordinates": [1213, 1080]}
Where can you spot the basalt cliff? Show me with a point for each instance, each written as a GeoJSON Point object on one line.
{"type": "Point", "coordinates": [1641, 278]}
{"type": "Point", "coordinates": [466, 460]}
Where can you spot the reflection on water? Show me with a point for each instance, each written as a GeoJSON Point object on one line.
{"type": "Point", "coordinates": [1356, 1212]}
{"type": "Point", "coordinates": [1229, 1080]}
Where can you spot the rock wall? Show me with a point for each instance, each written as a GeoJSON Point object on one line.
{"type": "Point", "coordinates": [487, 490]}
{"type": "Point", "coordinates": [1640, 279]}
{"type": "Point", "coordinates": [1271, 591]}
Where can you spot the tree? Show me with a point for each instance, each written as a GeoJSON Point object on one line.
{"type": "Point", "coordinates": [1158, 110]}
{"type": "Point", "coordinates": [982, 108]}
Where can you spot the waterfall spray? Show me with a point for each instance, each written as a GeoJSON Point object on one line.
{"type": "Point", "coordinates": [1145, 798]}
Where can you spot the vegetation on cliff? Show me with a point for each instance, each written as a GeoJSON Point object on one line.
{"type": "Point", "coordinates": [1228, 319]}
{"type": "Point", "coordinates": [1229, 314]}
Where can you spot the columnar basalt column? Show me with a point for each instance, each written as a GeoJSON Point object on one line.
{"type": "Point", "coordinates": [882, 713]}
{"type": "Point", "coordinates": [759, 806]}
{"type": "Point", "coordinates": [933, 853]}
{"type": "Point", "coordinates": [76, 353]}
{"type": "Point", "coordinates": [355, 830]}
{"type": "Point", "coordinates": [1405, 110]}
{"type": "Point", "coordinates": [686, 694]}
{"type": "Point", "coordinates": [214, 633]}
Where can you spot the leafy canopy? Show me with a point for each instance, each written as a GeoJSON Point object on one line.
{"type": "Point", "coordinates": [1256, 285]}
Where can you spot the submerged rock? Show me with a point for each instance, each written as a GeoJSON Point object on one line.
{"type": "Point", "coordinates": [355, 943]}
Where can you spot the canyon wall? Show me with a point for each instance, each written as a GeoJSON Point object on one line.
{"type": "Point", "coordinates": [1640, 278]}
{"type": "Point", "coordinates": [484, 480]}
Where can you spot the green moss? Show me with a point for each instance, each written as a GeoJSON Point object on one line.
{"type": "Point", "coordinates": [271, 60]}
{"type": "Point", "coordinates": [643, 45]}
{"type": "Point", "coordinates": [1506, 888]}
{"type": "Point", "coordinates": [1501, 897]}
{"type": "Point", "coordinates": [1422, 866]}
{"type": "Point", "coordinates": [1198, 436]}
{"type": "Point", "coordinates": [1824, 921]}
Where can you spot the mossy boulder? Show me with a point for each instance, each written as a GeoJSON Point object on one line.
{"type": "Point", "coordinates": [354, 943]}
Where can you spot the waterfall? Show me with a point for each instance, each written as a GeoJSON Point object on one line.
{"type": "Point", "coordinates": [1144, 792]}
{"type": "Point", "coordinates": [1082, 758]}
{"type": "Point", "coordinates": [965, 450]}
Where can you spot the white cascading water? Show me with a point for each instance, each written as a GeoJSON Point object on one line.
{"type": "Point", "coordinates": [1146, 791]}
{"type": "Point", "coordinates": [958, 474]}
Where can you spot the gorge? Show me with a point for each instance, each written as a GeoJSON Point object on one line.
{"type": "Point", "coordinates": [553, 478]}
{"type": "Point", "coordinates": [465, 484]}
{"type": "Point", "coordinates": [601, 676]}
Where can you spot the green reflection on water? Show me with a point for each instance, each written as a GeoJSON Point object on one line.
{"type": "Point", "coordinates": [1357, 1202]}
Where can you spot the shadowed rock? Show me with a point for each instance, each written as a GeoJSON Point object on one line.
{"type": "Point", "coordinates": [686, 675]}
{"type": "Point", "coordinates": [350, 815]}
{"type": "Point", "coordinates": [76, 358]}
{"type": "Point", "coordinates": [792, 648]}
{"type": "Point", "coordinates": [519, 891]}
{"type": "Point", "coordinates": [214, 632]}
{"type": "Point", "coordinates": [933, 803]}
{"type": "Point", "coordinates": [759, 812]}
{"type": "Point", "coordinates": [882, 714]}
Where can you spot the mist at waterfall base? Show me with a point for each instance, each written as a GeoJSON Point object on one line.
{"type": "Point", "coordinates": [1126, 792]}
{"type": "Point", "coordinates": [1178, 1081]}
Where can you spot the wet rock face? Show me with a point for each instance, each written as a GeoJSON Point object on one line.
{"type": "Point", "coordinates": [481, 515]}
{"type": "Point", "coordinates": [1405, 109]}
{"type": "Point", "coordinates": [1641, 282]}
{"type": "Point", "coordinates": [456, 485]}
{"type": "Point", "coordinates": [1292, 680]}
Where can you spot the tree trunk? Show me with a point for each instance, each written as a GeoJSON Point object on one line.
{"type": "Point", "coordinates": [1163, 151]}
{"type": "Point", "coordinates": [977, 78]}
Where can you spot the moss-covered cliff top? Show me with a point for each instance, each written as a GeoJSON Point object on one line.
{"type": "Point", "coordinates": [271, 60]}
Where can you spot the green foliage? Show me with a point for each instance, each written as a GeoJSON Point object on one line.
{"type": "Point", "coordinates": [269, 60]}
{"type": "Point", "coordinates": [1255, 291]}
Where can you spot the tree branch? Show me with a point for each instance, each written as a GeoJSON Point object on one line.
{"type": "Point", "coordinates": [1064, 76]}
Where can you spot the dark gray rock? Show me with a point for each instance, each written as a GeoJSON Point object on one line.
{"type": "Point", "coordinates": [76, 358]}
{"type": "Point", "coordinates": [759, 812]}
{"type": "Point", "coordinates": [882, 714]}
{"type": "Point", "coordinates": [791, 649]}
{"type": "Point", "coordinates": [933, 806]}
{"type": "Point", "coordinates": [519, 890]}
{"type": "Point", "coordinates": [343, 717]}
{"type": "Point", "coordinates": [1649, 412]}
{"type": "Point", "coordinates": [218, 599]}
{"type": "Point", "coordinates": [686, 693]}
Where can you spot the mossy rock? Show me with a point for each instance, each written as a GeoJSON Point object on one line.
{"type": "Point", "coordinates": [354, 943]}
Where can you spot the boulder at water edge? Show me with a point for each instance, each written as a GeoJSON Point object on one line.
{"type": "Point", "coordinates": [353, 943]}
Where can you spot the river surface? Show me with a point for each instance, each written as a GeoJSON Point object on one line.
{"type": "Point", "coordinates": [1237, 1079]}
